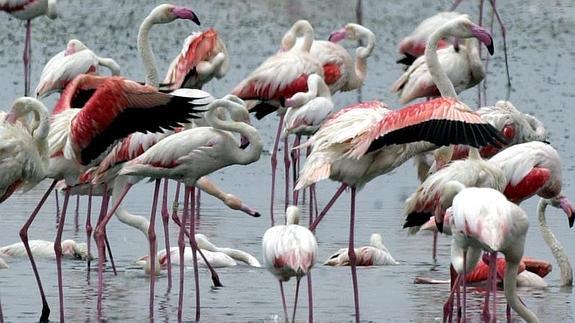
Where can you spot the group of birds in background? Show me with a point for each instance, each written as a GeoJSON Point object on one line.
{"type": "Point", "coordinates": [106, 133]}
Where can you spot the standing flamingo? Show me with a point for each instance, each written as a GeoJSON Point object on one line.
{"type": "Point", "coordinates": [483, 219]}
{"type": "Point", "coordinates": [28, 10]}
{"type": "Point", "coordinates": [366, 140]}
{"type": "Point", "coordinates": [61, 69]}
{"type": "Point", "coordinates": [276, 79]}
{"type": "Point", "coordinates": [289, 251]}
{"type": "Point", "coordinates": [185, 156]}
{"type": "Point", "coordinates": [376, 254]}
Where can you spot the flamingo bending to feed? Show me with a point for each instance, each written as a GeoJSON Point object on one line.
{"type": "Point", "coordinates": [205, 244]}
{"type": "Point", "coordinates": [28, 10]}
{"type": "Point", "coordinates": [186, 156]}
{"type": "Point", "coordinates": [61, 69]}
{"type": "Point", "coordinates": [366, 140]}
{"type": "Point", "coordinates": [45, 249]}
{"type": "Point", "coordinates": [289, 251]}
{"type": "Point", "coordinates": [376, 254]}
{"type": "Point", "coordinates": [483, 219]}
{"type": "Point", "coordinates": [276, 79]}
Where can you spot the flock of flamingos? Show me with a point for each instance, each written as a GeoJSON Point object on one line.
{"type": "Point", "coordinates": [107, 133]}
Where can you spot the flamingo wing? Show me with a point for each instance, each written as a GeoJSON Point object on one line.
{"type": "Point", "coordinates": [120, 107]}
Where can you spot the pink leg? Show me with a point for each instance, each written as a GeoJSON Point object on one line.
{"type": "Point", "coordinates": [108, 248]}
{"type": "Point", "coordinates": [485, 315]}
{"type": "Point", "coordinates": [295, 300]}
{"type": "Point", "coordinates": [153, 244]}
{"type": "Point", "coordinates": [309, 298]}
{"type": "Point", "coordinates": [165, 220]}
{"type": "Point", "coordinates": [448, 306]}
{"type": "Point", "coordinates": [274, 162]}
{"type": "Point", "coordinates": [57, 206]}
{"type": "Point", "coordinates": [493, 266]}
{"type": "Point", "coordinates": [327, 207]}
{"type": "Point", "coordinates": [287, 168]}
{"type": "Point", "coordinates": [99, 235]}
{"type": "Point", "coordinates": [58, 253]}
{"type": "Point", "coordinates": [77, 214]}
{"type": "Point", "coordinates": [352, 256]}
{"type": "Point", "coordinates": [26, 57]}
{"type": "Point", "coordinates": [194, 255]}
{"type": "Point", "coordinates": [310, 205]}
{"type": "Point", "coordinates": [24, 237]}
{"type": "Point", "coordinates": [295, 160]}
{"type": "Point", "coordinates": [283, 300]}
{"type": "Point", "coordinates": [175, 204]}
{"type": "Point", "coordinates": [464, 282]}
{"type": "Point", "coordinates": [181, 247]}
{"type": "Point", "coordinates": [89, 230]}
{"type": "Point", "coordinates": [197, 208]}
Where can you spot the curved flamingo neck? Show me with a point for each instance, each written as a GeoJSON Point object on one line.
{"type": "Point", "coordinates": [110, 64]}
{"type": "Point", "coordinates": [303, 28]}
{"type": "Point", "coordinates": [438, 75]}
{"type": "Point", "coordinates": [510, 287]}
{"type": "Point", "coordinates": [252, 153]}
{"type": "Point", "coordinates": [145, 51]}
{"type": "Point", "coordinates": [555, 246]}
{"type": "Point", "coordinates": [361, 55]}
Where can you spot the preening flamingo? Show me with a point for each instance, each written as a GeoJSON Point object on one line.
{"type": "Point", "coordinates": [276, 79]}
{"type": "Point", "coordinates": [289, 251]}
{"type": "Point", "coordinates": [376, 254]}
{"type": "Point", "coordinates": [61, 69]}
{"type": "Point", "coordinates": [186, 156]}
{"type": "Point", "coordinates": [28, 10]}
{"type": "Point", "coordinates": [483, 219]}
{"type": "Point", "coordinates": [45, 249]}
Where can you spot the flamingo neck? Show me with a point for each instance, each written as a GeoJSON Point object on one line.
{"type": "Point", "coordinates": [303, 28]}
{"type": "Point", "coordinates": [110, 64]}
{"type": "Point", "coordinates": [438, 75]}
{"type": "Point", "coordinates": [145, 51]}
{"type": "Point", "coordinates": [252, 153]}
{"type": "Point", "coordinates": [555, 246]}
{"type": "Point", "coordinates": [361, 54]}
{"type": "Point", "coordinates": [510, 287]}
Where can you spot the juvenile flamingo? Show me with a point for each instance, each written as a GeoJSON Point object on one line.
{"type": "Point", "coordinates": [61, 69]}
{"type": "Point", "coordinates": [376, 254]}
{"type": "Point", "coordinates": [483, 219]}
{"type": "Point", "coordinates": [289, 251]}
{"type": "Point", "coordinates": [28, 10]}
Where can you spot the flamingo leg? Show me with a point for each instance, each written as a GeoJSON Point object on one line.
{"type": "Point", "coordinates": [175, 203]}
{"type": "Point", "coordinates": [311, 205]}
{"type": "Point", "coordinates": [24, 237]}
{"type": "Point", "coordinates": [57, 205]}
{"type": "Point", "coordinates": [448, 306]}
{"type": "Point", "coordinates": [165, 220]}
{"type": "Point", "coordinates": [77, 214]}
{"type": "Point", "coordinates": [485, 313]}
{"type": "Point", "coordinates": [26, 57]}
{"type": "Point", "coordinates": [493, 266]}
{"type": "Point", "coordinates": [352, 256]}
{"type": "Point", "coordinates": [287, 163]}
{"type": "Point", "coordinates": [283, 301]}
{"type": "Point", "coordinates": [434, 247]}
{"type": "Point", "coordinates": [295, 299]}
{"type": "Point", "coordinates": [327, 207]}
{"type": "Point", "coordinates": [1, 314]}
{"type": "Point", "coordinates": [100, 235]}
{"type": "Point", "coordinates": [58, 253]}
{"type": "Point", "coordinates": [295, 158]}
{"type": "Point", "coordinates": [197, 208]}
{"type": "Point", "coordinates": [194, 256]}
{"type": "Point", "coordinates": [89, 231]}
{"type": "Point", "coordinates": [181, 247]}
{"type": "Point", "coordinates": [108, 248]}
{"type": "Point", "coordinates": [274, 162]}
{"type": "Point", "coordinates": [503, 35]}
{"type": "Point", "coordinates": [153, 247]}
{"type": "Point", "coordinates": [464, 282]}
{"type": "Point", "coordinates": [309, 298]}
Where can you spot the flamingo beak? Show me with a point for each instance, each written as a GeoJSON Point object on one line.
{"type": "Point", "coordinates": [337, 36]}
{"type": "Point", "coordinates": [185, 13]}
{"type": "Point", "coordinates": [484, 36]}
{"type": "Point", "coordinates": [11, 118]}
{"type": "Point", "coordinates": [244, 142]}
{"type": "Point", "coordinates": [568, 209]}
{"type": "Point", "coordinates": [250, 212]}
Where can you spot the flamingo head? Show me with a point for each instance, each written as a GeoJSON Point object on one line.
{"type": "Point", "coordinates": [463, 27]}
{"type": "Point", "coordinates": [166, 13]}
{"type": "Point", "coordinates": [185, 13]}
{"type": "Point", "coordinates": [74, 46]}
{"type": "Point", "coordinates": [338, 35]}
{"type": "Point", "coordinates": [567, 207]}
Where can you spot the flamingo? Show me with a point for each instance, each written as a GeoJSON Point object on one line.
{"type": "Point", "coordinates": [61, 69]}
{"type": "Point", "coordinates": [376, 254]}
{"type": "Point", "coordinates": [45, 249]}
{"type": "Point", "coordinates": [483, 219]}
{"type": "Point", "coordinates": [215, 259]}
{"type": "Point", "coordinates": [28, 10]}
{"type": "Point", "coordinates": [277, 78]}
{"type": "Point", "coordinates": [366, 140]}
{"type": "Point", "coordinates": [461, 63]}
{"type": "Point", "coordinates": [185, 156]}
{"type": "Point", "coordinates": [289, 251]}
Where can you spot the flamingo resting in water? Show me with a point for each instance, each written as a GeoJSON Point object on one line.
{"type": "Point", "coordinates": [289, 251]}
{"type": "Point", "coordinates": [45, 249]}
{"type": "Point", "coordinates": [28, 10]}
{"type": "Point", "coordinates": [376, 254]}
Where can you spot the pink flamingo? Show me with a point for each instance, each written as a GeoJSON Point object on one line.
{"type": "Point", "coordinates": [483, 219]}
{"type": "Point", "coordinates": [61, 69]}
{"type": "Point", "coordinates": [28, 10]}
{"type": "Point", "coordinates": [376, 254]}
{"type": "Point", "coordinates": [276, 79]}
{"type": "Point", "coordinates": [289, 251]}
{"type": "Point", "coordinates": [354, 145]}
{"type": "Point", "coordinates": [185, 156]}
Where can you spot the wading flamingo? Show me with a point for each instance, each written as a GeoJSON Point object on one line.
{"type": "Point", "coordinates": [376, 254]}
{"type": "Point", "coordinates": [484, 220]}
{"type": "Point", "coordinates": [289, 251]}
{"type": "Point", "coordinates": [366, 140]}
{"type": "Point", "coordinates": [61, 69]}
{"type": "Point", "coordinates": [28, 10]}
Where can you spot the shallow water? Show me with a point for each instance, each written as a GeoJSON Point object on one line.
{"type": "Point", "coordinates": [542, 65]}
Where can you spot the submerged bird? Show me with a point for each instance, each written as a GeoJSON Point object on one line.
{"type": "Point", "coordinates": [376, 254]}
{"type": "Point", "coordinates": [45, 249]}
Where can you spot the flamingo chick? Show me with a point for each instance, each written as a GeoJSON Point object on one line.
{"type": "Point", "coordinates": [376, 254]}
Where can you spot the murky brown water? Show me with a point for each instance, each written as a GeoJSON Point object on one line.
{"type": "Point", "coordinates": [543, 68]}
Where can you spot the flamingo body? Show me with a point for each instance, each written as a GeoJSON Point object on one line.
{"type": "Point", "coordinates": [29, 9]}
{"type": "Point", "coordinates": [45, 249]}
{"type": "Point", "coordinates": [376, 254]}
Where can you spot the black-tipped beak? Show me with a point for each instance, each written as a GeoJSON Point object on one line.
{"type": "Point", "coordinates": [407, 60]}
{"type": "Point", "coordinates": [196, 20]}
{"type": "Point", "coordinates": [490, 47]}
{"type": "Point", "coordinates": [256, 215]}
{"type": "Point", "coordinates": [572, 219]}
{"type": "Point", "coordinates": [439, 226]}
